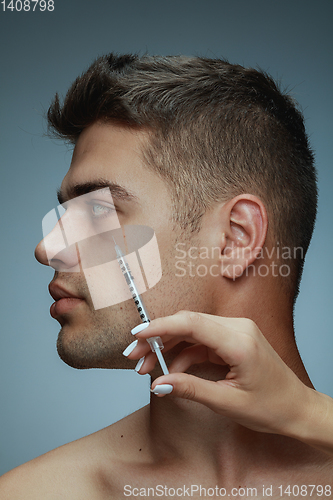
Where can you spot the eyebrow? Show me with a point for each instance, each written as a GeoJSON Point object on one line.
{"type": "Point", "coordinates": [117, 191]}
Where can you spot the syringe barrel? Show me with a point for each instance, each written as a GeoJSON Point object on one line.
{"type": "Point", "coordinates": [134, 291]}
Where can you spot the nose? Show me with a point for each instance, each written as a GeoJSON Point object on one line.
{"type": "Point", "coordinates": [40, 253]}
{"type": "Point", "coordinates": [53, 250]}
{"type": "Point", "coordinates": [50, 252]}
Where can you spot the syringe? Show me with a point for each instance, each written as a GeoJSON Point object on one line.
{"type": "Point", "coordinates": [155, 343]}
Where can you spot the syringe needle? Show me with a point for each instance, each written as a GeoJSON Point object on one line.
{"type": "Point", "coordinates": [155, 343]}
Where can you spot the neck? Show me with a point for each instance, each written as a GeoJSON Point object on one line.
{"type": "Point", "coordinates": [182, 428]}
{"type": "Point", "coordinates": [270, 307]}
{"type": "Point", "coordinates": [214, 447]}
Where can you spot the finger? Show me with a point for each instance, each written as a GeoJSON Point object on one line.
{"type": "Point", "coordinates": [151, 359]}
{"type": "Point", "coordinates": [220, 396]}
{"type": "Point", "coordinates": [237, 324]}
{"type": "Point", "coordinates": [148, 363]}
{"type": "Point", "coordinates": [225, 336]}
{"type": "Point", "coordinates": [181, 363]}
{"type": "Point", "coordinates": [137, 349]}
{"type": "Point", "coordinates": [143, 348]}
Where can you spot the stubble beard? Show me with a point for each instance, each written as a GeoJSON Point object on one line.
{"type": "Point", "coordinates": [92, 338]}
{"type": "Point", "coordinates": [96, 338]}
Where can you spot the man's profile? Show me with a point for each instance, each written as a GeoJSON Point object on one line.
{"type": "Point", "coordinates": [215, 159]}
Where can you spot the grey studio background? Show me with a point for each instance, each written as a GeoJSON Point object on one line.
{"type": "Point", "coordinates": [44, 403]}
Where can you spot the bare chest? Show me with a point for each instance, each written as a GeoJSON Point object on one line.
{"type": "Point", "coordinates": [183, 482]}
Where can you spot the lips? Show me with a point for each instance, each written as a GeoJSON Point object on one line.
{"type": "Point", "coordinates": [57, 292]}
{"type": "Point", "coordinates": [65, 300]}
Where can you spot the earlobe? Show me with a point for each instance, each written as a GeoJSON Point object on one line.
{"type": "Point", "coordinates": [245, 235]}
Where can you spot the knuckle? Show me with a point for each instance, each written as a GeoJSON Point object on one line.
{"type": "Point", "coordinates": [194, 317]}
{"type": "Point", "coordinates": [250, 345]}
{"type": "Point", "coordinates": [182, 312]}
{"type": "Point", "coordinates": [249, 326]}
{"type": "Point", "coordinates": [188, 393]}
{"type": "Point", "coordinates": [190, 319]}
{"type": "Point", "coordinates": [188, 390]}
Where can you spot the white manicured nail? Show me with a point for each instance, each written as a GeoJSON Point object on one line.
{"type": "Point", "coordinates": [130, 348]}
{"type": "Point", "coordinates": [139, 328]}
{"type": "Point", "coordinates": [140, 363]}
{"type": "Point", "coordinates": [162, 389]}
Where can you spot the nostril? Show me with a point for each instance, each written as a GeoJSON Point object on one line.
{"type": "Point", "coordinates": [51, 252]}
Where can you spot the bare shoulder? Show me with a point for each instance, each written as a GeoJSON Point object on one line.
{"type": "Point", "coordinates": [75, 470]}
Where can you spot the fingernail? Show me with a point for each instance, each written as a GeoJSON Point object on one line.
{"type": "Point", "coordinates": [139, 328]}
{"type": "Point", "coordinates": [162, 389]}
{"type": "Point", "coordinates": [140, 363]}
{"type": "Point", "coordinates": [130, 348]}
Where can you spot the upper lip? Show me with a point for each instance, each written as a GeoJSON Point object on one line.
{"type": "Point", "coordinates": [57, 292]}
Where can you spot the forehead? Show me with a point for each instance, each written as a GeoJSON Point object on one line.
{"type": "Point", "coordinates": [105, 151]}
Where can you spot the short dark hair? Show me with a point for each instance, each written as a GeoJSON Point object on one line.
{"type": "Point", "coordinates": [216, 130]}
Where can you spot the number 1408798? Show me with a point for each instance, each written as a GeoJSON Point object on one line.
{"type": "Point", "coordinates": [28, 5]}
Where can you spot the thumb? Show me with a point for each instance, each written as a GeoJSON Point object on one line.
{"type": "Point", "coordinates": [219, 396]}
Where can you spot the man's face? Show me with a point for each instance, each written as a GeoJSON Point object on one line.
{"type": "Point", "coordinates": [96, 338]}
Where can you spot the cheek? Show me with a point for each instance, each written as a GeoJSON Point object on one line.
{"type": "Point", "coordinates": [176, 292]}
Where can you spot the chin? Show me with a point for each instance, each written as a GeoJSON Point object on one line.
{"type": "Point", "coordinates": [83, 351]}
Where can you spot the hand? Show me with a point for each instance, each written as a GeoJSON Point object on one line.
{"type": "Point", "coordinates": [259, 391]}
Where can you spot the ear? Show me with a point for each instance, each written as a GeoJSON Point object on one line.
{"type": "Point", "coordinates": [246, 224]}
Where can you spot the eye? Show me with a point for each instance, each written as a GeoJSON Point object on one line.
{"type": "Point", "coordinates": [100, 211]}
